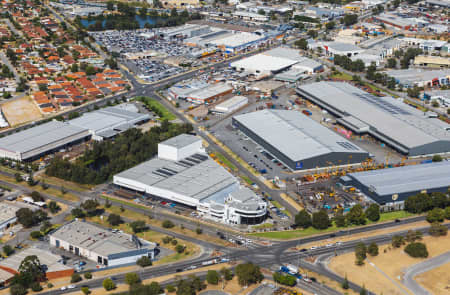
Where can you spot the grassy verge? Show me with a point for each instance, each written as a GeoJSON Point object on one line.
{"type": "Point", "coordinates": [247, 179]}
{"type": "Point", "coordinates": [263, 226]}
{"type": "Point", "coordinates": [342, 76]}
{"type": "Point", "coordinates": [299, 233]}
{"type": "Point", "coordinates": [157, 108]}
{"type": "Point", "coordinates": [278, 205]}
{"type": "Point", "coordinates": [38, 188]}
{"type": "Point", "coordinates": [63, 183]}
{"type": "Point", "coordinates": [153, 236]}
{"type": "Point", "coordinates": [226, 162]}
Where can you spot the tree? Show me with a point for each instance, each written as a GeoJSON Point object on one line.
{"type": "Point", "coordinates": [226, 273]}
{"type": "Point", "coordinates": [436, 215]}
{"type": "Point", "coordinates": [437, 229]}
{"type": "Point", "coordinates": [412, 236]}
{"type": "Point", "coordinates": [350, 19]}
{"type": "Point", "coordinates": [90, 206]}
{"type": "Point", "coordinates": [199, 231]}
{"type": "Point", "coordinates": [30, 270]}
{"type": "Point", "coordinates": [330, 25]}
{"type": "Point", "coordinates": [132, 278]}
{"type": "Point", "coordinates": [212, 277]}
{"type": "Point", "coordinates": [77, 213]}
{"type": "Point", "coordinates": [284, 279]}
{"type": "Point", "coordinates": [414, 92]}
{"type": "Point", "coordinates": [138, 226]}
{"type": "Point", "coordinates": [17, 289]}
{"type": "Point", "coordinates": [373, 249]}
{"type": "Point", "coordinates": [36, 235]}
{"type": "Point", "coordinates": [248, 274]}
{"type": "Point", "coordinates": [75, 278]}
{"type": "Point", "coordinates": [37, 197]}
{"type": "Point", "coordinates": [447, 212]}
{"type": "Point", "coordinates": [303, 219]}
{"type": "Point", "coordinates": [108, 284]}
{"type": "Point", "coordinates": [360, 253]}
{"type": "Point", "coordinates": [8, 250]}
{"type": "Point", "coordinates": [340, 220]}
{"type": "Point", "coordinates": [363, 291]}
{"type": "Point", "coordinates": [114, 219]}
{"type": "Point", "coordinates": [345, 284]}
{"type": "Point", "coordinates": [391, 63]}
{"type": "Point", "coordinates": [53, 207]}
{"type": "Point", "coordinates": [36, 287]}
{"type": "Point", "coordinates": [397, 241]}
{"type": "Point", "coordinates": [356, 215]}
{"type": "Point", "coordinates": [373, 212]}
{"type": "Point", "coordinates": [25, 216]}
{"type": "Point", "coordinates": [417, 250]}
{"type": "Point", "coordinates": [418, 203]}
{"type": "Point", "coordinates": [167, 224]}
{"type": "Point", "coordinates": [110, 5]}
{"type": "Point", "coordinates": [144, 261]}
{"type": "Point", "coordinates": [313, 34]}
{"type": "Point", "coordinates": [320, 220]}
{"type": "Point", "coordinates": [437, 158]}
{"type": "Point", "coordinates": [88, 275]}
{"type": "Point", "coordinates": [85, 290]}
{"type": "Point", "coordinates": [179, 248]}
{"type": "Point", "coordinates": [302, 44]}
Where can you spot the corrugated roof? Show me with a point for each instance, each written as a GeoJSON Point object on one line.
{"type": "Point", "coordinates": [39, 136]}
{"type": "Point", "coordinates": [406, 179]}
{"type": "Point", "coordinates": [295, 135]}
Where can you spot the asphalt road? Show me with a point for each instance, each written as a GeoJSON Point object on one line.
{"type": "Point", "coordinates": [417, 269]}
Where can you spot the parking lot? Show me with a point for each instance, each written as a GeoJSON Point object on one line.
{"type": "Point", "coordinates": [152, 70]}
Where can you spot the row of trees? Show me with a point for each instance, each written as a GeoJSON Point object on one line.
{"type": "Point", "coordinates": [246, 274]}
{"type": "Point", "coordinates": [107, 158]}
{"type": "Point", "coordinates": [422, 202]}
{"type": "Point", "coordinates": [356, 216]}
{"type": "Point", "coordinates": [348, 64]}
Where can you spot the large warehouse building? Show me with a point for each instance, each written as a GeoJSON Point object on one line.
{"type": "Point", "coordinates": [35, 142]}
{"type": "Point", "coordinates": [391, 121]}
{"type": "Point", "coordinates": [392, 185]}
{"type": "Point", "coordinates": [298, 141]}
{"type": "Point", "coordinates": [108, 122]}
{"type": "Point", "coordinates": [100, 245]}
{"type": "Point", "coordinates": [183, 173]}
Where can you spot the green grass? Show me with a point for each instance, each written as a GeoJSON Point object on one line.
{"type": "Point", "coordinates": [226, 162]}
{"type": "Point", "coordinates": [131, 204]}
{"type": "Point", "coordinates": [299, 233]}
{"type": "Point", "coordinates": [342, 76]}
{"type": "Point", "coordinates": [263, 226]}
{"type": "Point", "coordinates": [278, 205]}
{"type": "Point", "coordinates": [157, 108]}
{"type": "Point", "coordinates": [247, 179]}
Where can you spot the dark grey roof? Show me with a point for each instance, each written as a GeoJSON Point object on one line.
{"type": "Point", "coordinates": [405, 179]}
{"type": "Point", "coordinates": [295, 135]}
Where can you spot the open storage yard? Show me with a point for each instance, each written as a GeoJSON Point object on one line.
{"type": "Point", "coordinates": [20, 111]}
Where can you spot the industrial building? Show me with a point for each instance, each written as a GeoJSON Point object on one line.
{"type": "Point", "coordinates": [420, 77]}
{"type": "Point", "coordinates": [394, 20]}
{"type": "Point", "coordinates": [7, 215]}
{"type": "Point", "coordinates": [275, 61]}
{"type": "Point", "coordinates": [391, 121]}
{"type": "Point", "coordinates": [432, 61]}
{"type": "Point", "coordinates": [183, 173]}
{"type": "Point", "coordinates": [37, 141]}
{"type": "Point", "coordinates": [391, 185]}
{"type": "Point", "coordinates": [198, 92]}
{"type": "Point", "coordinates": [231, 104]}
{"type": "Point", "coordinates": [54, 268]}
{"type": "Point", "coordinates": [298, 141]}
{"type": "Point", "coordinates": [108, 122]}
{"type": "Point", "coordinates": [104, 247]}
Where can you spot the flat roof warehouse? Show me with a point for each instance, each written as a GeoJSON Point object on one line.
{"type": "Point", "coordinates": [391, 121]}
{"type": "Point", "coordinates": [396, 184]}
{"type": "Point", "coordinates": [297, 140]}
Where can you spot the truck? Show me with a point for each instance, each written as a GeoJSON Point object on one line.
{"type": "Point", "coordinates": [209, 262]}
{"type": "Point", "coordinates": [291, 270]}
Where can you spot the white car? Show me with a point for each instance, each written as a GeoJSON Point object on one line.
{"type": "Point", "coordinates": [329, 245]}
{"type": "Point", "coordinates": [63, 288]}
{"type": "Point", "coordinates": [71, 287]}
{"type": "Point", "coordinates": [313, 248]}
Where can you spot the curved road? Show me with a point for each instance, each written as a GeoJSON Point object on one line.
{"type": "Point", "coordinates": [417, 269]}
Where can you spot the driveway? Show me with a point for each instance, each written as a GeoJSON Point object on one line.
{"type": "Point", "coordinates": [416, 269]}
